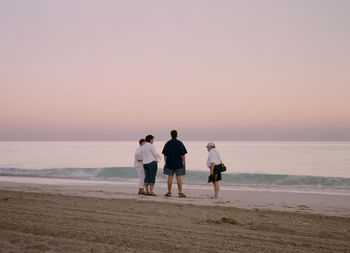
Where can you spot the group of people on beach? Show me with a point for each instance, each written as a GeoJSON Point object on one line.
{"type": "Point", "coordinates": [174, 152]}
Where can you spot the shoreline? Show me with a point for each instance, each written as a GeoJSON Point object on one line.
{"type": "Point", "coordinates": [312, 203]}
{"type": "Point", "coordinates": [198, 178]}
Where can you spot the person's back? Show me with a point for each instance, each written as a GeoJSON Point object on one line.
{"type": "Point", "coordinates": [148, 153]}
{"type": "Point", "coordinates": [174, 153]}
{"type": "Point", "coordinates": [174, 150]}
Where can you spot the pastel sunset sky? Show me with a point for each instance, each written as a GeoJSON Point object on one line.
{"type": "Point", "coordinates": [214, 70]}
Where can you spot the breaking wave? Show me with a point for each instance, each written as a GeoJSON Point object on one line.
{"type": "Point", "coordinates": [192, 177]}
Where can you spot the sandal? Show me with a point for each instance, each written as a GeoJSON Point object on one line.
{"type": "Point", "coordinates": [152, 194]}
{"type": "Point", "coordinates": [168, 194]}
{"type": "Point", "coordinates": [182, 195]}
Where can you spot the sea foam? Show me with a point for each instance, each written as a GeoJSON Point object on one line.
{"type": "Point", "coordinates": [191, 177]}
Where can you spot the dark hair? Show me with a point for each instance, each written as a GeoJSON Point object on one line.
{"type": "Point", "coordinates": [141, 141]}
{"type": "Point", "coordinates": [149, 138]}
{"type": "Point", "coordinates": [173, 134]}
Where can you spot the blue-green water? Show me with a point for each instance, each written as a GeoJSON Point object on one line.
{"type": "Point", "coordinates": [288, 165]}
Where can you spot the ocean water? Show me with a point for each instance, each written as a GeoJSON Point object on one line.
{"type": "Point", "coordinates": [289, 166]}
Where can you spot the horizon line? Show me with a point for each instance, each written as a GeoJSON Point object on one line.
{"type": "Point", "coordinates": [218, 140]}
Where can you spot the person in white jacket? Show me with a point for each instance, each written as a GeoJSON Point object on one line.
{"type": "Point", "coordinates": [139, 167]}
{"type": "Point", "coordinates": [150, 158]}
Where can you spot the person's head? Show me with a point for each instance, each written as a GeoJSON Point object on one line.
{"type": "Point", "coordinates": [149, 138]}
{"type": "Point", "coordinates": [173, 134]}
{"type": "Point", "coordinates": [210, 145]}
{"type": "Point", "coordinates": [142, 141]}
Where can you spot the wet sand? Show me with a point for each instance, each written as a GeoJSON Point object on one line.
{"type": "Point", "coordinates": [333, 204]}
{"type": "Point", "coordinates": [55, 222]}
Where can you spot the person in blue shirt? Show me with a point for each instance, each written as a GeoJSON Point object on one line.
{"type": "Point", "coordinates": [174, 152]}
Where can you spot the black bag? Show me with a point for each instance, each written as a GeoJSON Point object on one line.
{"type": "Point", "coordinates": [222, 167]}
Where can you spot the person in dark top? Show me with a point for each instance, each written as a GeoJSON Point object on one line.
{"type": "Point", "coordinates": [174, 152]}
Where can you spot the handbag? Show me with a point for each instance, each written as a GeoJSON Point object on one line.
{"type": "Point", "coordinates": [222, 167]}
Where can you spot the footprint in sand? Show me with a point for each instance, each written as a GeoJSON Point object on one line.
{"type": "Point", "coordinates": [303, 208]}
{"type": "Point", "coordinates": [222, 202]}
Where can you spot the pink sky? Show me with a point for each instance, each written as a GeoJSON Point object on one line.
{"type": "Point", "coordinates": [224, 70]}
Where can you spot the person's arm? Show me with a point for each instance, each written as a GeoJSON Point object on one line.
{"type": "Point", "coordinates": [211, 162]}
{"type": "Point", "coordinates": [184, 152]}
{"type": "Point", "coordinates": [165, 152]}
{"type": "Point", "coordinates": [212, 165]}
{"type": "Point", "coordinates": [155, 153]}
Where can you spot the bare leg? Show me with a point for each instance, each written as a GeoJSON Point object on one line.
{"type": "Point", "coordinates": [179, 183]}
{"type": "Point", "coordinates": [170, 183]}
{"type": "Point", "coordinates": [216, 190]}
{"type": "Point", "coordinates": [151, 188]}
{"type": "Point", "coordinates": [146, 186]}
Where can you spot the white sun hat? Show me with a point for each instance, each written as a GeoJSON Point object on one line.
{"type": "Point", "coordinates": [211, 144]}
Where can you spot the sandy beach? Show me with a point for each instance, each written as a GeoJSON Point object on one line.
{"type": "Point", "coordinates": [38, 217]}
{"type": "Point", "coordinates": [101, 99]}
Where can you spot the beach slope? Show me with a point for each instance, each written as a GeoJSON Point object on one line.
{"type": "Point", "coordinates": [44, 222]}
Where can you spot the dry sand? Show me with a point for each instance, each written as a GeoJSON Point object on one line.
{"type": "Point", "coordinates": [55, 222]}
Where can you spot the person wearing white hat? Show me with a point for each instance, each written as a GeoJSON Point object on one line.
{"type": "Point", "coordinates": [213, 163]}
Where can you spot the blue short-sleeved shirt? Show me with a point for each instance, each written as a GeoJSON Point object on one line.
{"type": "Point", "coordinates": [173, 150]}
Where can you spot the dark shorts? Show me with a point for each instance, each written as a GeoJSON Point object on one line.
{"type": "Point", "coordinates": [216, 176]}
{"type": "Point", "coordinates": [171, 172]}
